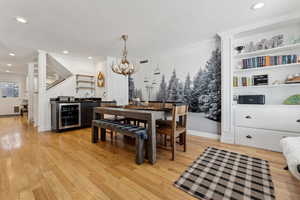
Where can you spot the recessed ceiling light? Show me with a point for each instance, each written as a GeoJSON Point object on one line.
{"type": "Point", "coordinates": [9, 65]}
{"type": "Point", "coordinates": [65, 52]}
{"type": "Point", "coordinates": [21, 20]}
{"type": "Point", "coordinates": [7, 71]}
{"type": "Point", "coordinates": [90, 57]}
{"type": "Point", "coordinates": [257, 6]}
{"type": "Point", "coordinates": [12, 54]}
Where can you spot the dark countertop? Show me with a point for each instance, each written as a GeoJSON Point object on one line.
{"type": "Point", "coordinates": [77, 100]}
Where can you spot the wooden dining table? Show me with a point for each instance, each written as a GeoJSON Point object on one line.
{"type": "Point", "coordinates": [150, 115]}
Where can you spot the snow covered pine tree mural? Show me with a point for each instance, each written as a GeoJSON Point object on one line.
{"type": "Point", "coordinates": [203, 94]}
{"type": "Point", "coordinates": [191, 75]}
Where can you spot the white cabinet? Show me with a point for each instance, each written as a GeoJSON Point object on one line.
{"type": "Point", "coordinates": [264, 126]}
{"type": "Point", "coordinates": [261, 138]}
{"type": "Point", "coordinates": [269, 117]}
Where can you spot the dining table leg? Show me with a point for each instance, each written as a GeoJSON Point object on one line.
{"type": "Point", "coordinates": [95, 134]}
{"type": "Point", "coordinates": [151, 140]}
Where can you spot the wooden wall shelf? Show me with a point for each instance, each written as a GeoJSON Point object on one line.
{"type": "Point", "coordinates": [85, 82]}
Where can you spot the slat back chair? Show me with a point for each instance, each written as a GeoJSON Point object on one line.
{"type": "Point", "coordinates": [157, 105]}
{"type": "Point", "coordinates": [175, 127]}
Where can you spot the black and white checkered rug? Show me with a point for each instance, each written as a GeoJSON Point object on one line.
{"type": "Point", "coordinates": [221, 175]}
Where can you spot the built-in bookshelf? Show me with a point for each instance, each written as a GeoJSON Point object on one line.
{"type": "Point", "coordinates": [278, 64]}
{"type": "Point", "coordinates": [268, 51]}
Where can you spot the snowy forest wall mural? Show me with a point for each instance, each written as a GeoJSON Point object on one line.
{"type": "Point", "coordinates": [201, 90]}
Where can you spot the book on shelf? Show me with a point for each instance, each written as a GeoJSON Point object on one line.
{"type": "Point", "coordinates": [242, 81]}
{"type": "Point", "coordinates": [255, 80]}
{"type": "Point", "coordinates": [264, 61]}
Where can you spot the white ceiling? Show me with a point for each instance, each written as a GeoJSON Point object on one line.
{"type": "Point", "coordinates": [93, 27]}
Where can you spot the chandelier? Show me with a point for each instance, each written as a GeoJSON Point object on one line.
{"type": "Point", "coordinates": [124, 67]}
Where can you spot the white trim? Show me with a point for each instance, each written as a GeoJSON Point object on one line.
{"type": "Point", "coordinates": [270, 21]}
{"type": "Point", "coordinates": [227, 137]}
{"type": "Point", "coordinates": [43, 101]}
{"type": "Point", "coordinates": [203, 134]}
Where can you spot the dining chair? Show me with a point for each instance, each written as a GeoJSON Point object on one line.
{"type": "Point", "coordinates": [176, 127]}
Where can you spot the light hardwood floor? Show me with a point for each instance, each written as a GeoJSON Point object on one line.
{"type": "Point", "coordinates": [68, 166]}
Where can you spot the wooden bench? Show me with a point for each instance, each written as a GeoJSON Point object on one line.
{"type": "Point", "coordinates": [139, 133]}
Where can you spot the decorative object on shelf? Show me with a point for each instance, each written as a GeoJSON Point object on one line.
{"type": "Point", "coordinates": [242, 81]}
{"type": "Point", "coordinates": [293, 79]}
{"type": "Point", "coordinates": [261, 44]}
{"type": "Point", "coordinates": [235, 98]}
{"type": "Point", "coordinates": [260, 79]}
{"type": "Point", "coordinates": [277, 82]}
{"type": "Point", "coordinates": [124, 67]}
{"type": "Point", "coordinates": [239, 48]}
{"type": "Point", "coordinates": [290, 40]}
{"type": "Point", "coordinates": [265, 44]}
{"type": "Point", "coordinates": [293, 40]}
{"type": "Point", "coordinates": [250, 47]}
{"type": "Point", "coordinates": [277, 41]}
{"type": "Point", "coordinates": [254, 80]}
{"type": "Point", "coordinates": [100, 79]}
{"type": "Point", "coordinates": [293, 100]}
{"type": "Point", "coordinates": [274, 42]}
{"type": "Point", "coordinates": [268, 44]}
{"type": "Point", "coordinates": [297, 40]}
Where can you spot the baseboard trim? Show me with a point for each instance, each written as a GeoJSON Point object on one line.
{"type": "Point", "coordinates": [204, 134]}
{"type": "Point", "coordinates": [227, 138]}
{"type": "Point", "coordinates": [10, 115]}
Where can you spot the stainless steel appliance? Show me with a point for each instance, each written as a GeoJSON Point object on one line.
{"type": "Point", "coordinates": [69, 112]}
{"type": "Point", "coordinates": [251, 99]}
{"type": "Point", "coordinates": [69, 115]}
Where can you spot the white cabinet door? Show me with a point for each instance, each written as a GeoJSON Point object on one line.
{"type": "Point", "coordinates": [281, 119]}
{"type": "Point", "coordinates": [265, 139]}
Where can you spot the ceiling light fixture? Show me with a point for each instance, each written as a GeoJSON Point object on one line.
{"type": "Point", "coordinates": [12, 54]}
{"type": "Point", "coordinates": [7, 71]}
{"type": "Point", "coordinates": [124, 67]}
{"type": "Point", "coordinates": [21, 20]}
{"type": "Point", "coordinates": [65, 52]}
{"type": "Point", "coordinates": [257, 6]}
{"type": "Point", "coordinates": [90, 57]}
{"type": "Point", "coordinates": [9, 65]}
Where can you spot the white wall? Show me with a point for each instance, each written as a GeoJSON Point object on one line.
{"type": "Point", "coordinates": [66, 88]}
{"type": "Point", "coordinates": [76, 66]}
{"type": "Point", "coordinates": [7, 104]}
{"type": "Point", "coordinates": [116, 86]}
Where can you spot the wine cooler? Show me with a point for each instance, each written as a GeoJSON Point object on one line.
{"type": "Point", "coordinates": [69, 115]}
